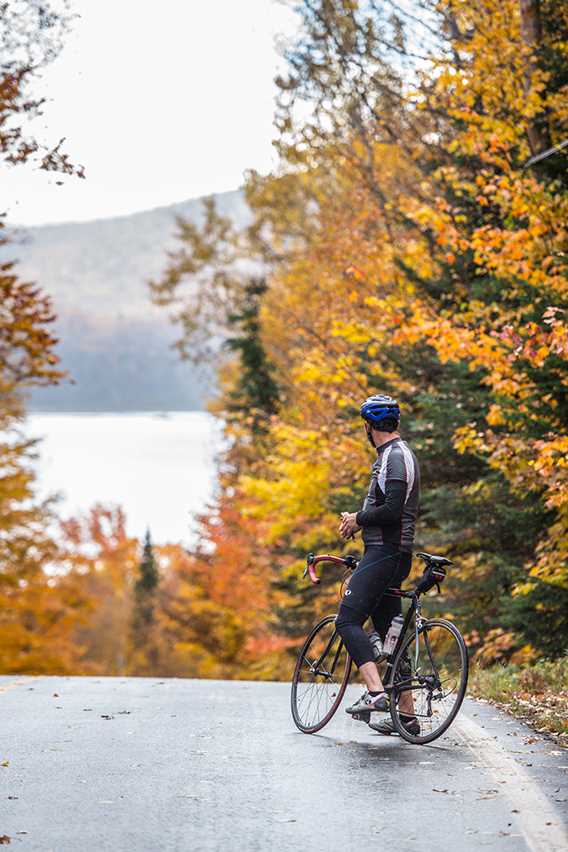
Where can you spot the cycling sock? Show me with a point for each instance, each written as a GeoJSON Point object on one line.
{"type": "Point", "coordinates": [374, 694]}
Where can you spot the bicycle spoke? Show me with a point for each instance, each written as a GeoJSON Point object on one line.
{"type": "Point", "coordinates": [304, 693]}
{"type": "Point", "coordinates": [319, 678]}
{"type": "Point", "coordinates": [431, 678]}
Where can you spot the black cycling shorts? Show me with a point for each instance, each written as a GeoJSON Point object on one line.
{"type": "Point", "coordinates": [382, 566]}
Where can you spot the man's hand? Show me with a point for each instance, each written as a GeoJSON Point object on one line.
{"type": "Point", "coordinates": [348, 525]}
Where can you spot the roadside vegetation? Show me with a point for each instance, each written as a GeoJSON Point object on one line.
{"type": "Point", "coordinates": [537, 694]}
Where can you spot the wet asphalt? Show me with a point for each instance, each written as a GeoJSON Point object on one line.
{"type": "Point", "coordinates": [144, 764]}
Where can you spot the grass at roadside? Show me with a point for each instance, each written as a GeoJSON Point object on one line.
{"type": "Point", "coordinates": [537, 694]}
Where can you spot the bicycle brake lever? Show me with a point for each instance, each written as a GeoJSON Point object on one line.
{"type": "Point", "coordinates": [309, 560]}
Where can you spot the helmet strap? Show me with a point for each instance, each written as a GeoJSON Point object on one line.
{"type": "Point", "coordinates": [369, 432]}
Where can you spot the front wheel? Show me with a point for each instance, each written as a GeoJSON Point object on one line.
{"type": "Point", "coordinates": [429, 680]}
{"type": "Point", "coordinates": [320, 677]}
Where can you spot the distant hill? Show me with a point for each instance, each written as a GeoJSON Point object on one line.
{"type": "Point", "coordinates": [115, 344]}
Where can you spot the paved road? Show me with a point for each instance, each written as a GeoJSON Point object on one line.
{"type": "Point", "coordinates": [142, 764]}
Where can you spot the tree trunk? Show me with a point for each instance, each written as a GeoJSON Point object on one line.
{"type": "Point", "coordinates": [531, 33]}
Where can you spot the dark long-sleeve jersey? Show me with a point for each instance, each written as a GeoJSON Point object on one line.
{"type": "Point", "coordinates": [391, 506]}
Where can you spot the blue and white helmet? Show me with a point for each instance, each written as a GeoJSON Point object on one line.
{"type": "Point", "coordinates": [378, 408]}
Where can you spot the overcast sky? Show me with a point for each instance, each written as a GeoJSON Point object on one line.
{"type": "Point", "coordinates": [159, 101]}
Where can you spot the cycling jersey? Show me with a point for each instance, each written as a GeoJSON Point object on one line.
{"type": "Point", "coordinates": [390, 509]}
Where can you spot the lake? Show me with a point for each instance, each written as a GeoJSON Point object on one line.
{"type": "Point", "coordinates": [160, 468]}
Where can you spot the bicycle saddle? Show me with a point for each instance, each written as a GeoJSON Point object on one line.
{"type": "Point", "coordinates": [430, 559]}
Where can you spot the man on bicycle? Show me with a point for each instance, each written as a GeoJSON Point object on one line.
{"type": "Point", "coordinates": [388, 520]}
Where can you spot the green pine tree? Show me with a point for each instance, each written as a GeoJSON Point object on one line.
{"type": "Point", "coordinates": [143, 621]}
{"type": "Point", "coordinates": [256, 393]}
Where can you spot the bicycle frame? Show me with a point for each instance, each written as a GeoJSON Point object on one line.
{"type": "Point", "coordinates": [415, 610]}
{"type": "Point", "coordinates": [315, 667]}
{"type": "Point", "coordinates": [413, 666]}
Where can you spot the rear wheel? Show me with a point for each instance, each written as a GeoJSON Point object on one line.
{"type": "Point", "coordinates": [429, 681]}
{"type": "Point", "coordinates": [320, 677]}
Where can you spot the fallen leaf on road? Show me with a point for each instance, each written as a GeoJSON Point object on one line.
{"type": "Point", "coordinates": [123, 713]}
{"type": "Point", "coordinates": [12, 797]}
{"type": "Point", "coordinates": [4, 840]}
{"type": "Point", "coordinates": [55, 695]}
{"type": "Point", "coordinates": [87, 709]}
{"type": "Point", "coordinates": [435, 790]}
{"type": "Point", "coordinates": [5, 763]}
{"type": "Point", "coordinates": [106, 716]}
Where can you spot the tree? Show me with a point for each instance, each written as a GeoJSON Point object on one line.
{"type": "Point", "coordinates": [407, 250]}
{"type": "Point", "coordinates": [96, 549]}
{"type": "Point", "coordinates": [457, 264]}
{"type": "Point", "coordinates": [37, 611]}
{"type": "Point", "coordinates": [254, 395]}
{"type": "Point", "coordinates": [144, 647]}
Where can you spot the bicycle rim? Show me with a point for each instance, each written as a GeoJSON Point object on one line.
{"type": "Point", "coordinates": [320, 677]}
{"type": "Point", "coordinates": [435, 678]}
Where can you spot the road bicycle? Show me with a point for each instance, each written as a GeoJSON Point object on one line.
{"type": "Point", "coordinates": [430, 661]}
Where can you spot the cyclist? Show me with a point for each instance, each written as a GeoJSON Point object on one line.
{"type": "Point", "coordinates": [387, 520]}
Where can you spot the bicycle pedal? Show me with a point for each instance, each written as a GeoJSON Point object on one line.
{"type": "Point", "coordinates": [363, 716]}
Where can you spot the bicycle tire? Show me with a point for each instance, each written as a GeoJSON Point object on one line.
{"type": "Point", "coordinates": [300, 665]}
{"type": "Point", "coordinates": [398, 726]}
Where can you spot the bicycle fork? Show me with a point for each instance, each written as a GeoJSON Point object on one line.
{"type": "Point", "coordinates": [315, 667]}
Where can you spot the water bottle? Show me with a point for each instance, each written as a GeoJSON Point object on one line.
{"type": "Point", "coordinates": [393, 633]}
{"type": "Point", "coordinates": [377, 643]}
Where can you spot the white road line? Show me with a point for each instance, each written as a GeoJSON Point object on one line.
{"type": "Point", "coordinates": [538, 819]}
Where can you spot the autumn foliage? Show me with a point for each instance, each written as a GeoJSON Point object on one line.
{"type": "Point", "coordinates": [411, 248]}
{"type": "Point", "coordinates": [36, 616]}
{"type": "Point", "coordinates": [412, 240]}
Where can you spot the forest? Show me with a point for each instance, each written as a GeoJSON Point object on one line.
{"type": "Point", "coordinates": [413, 241]}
